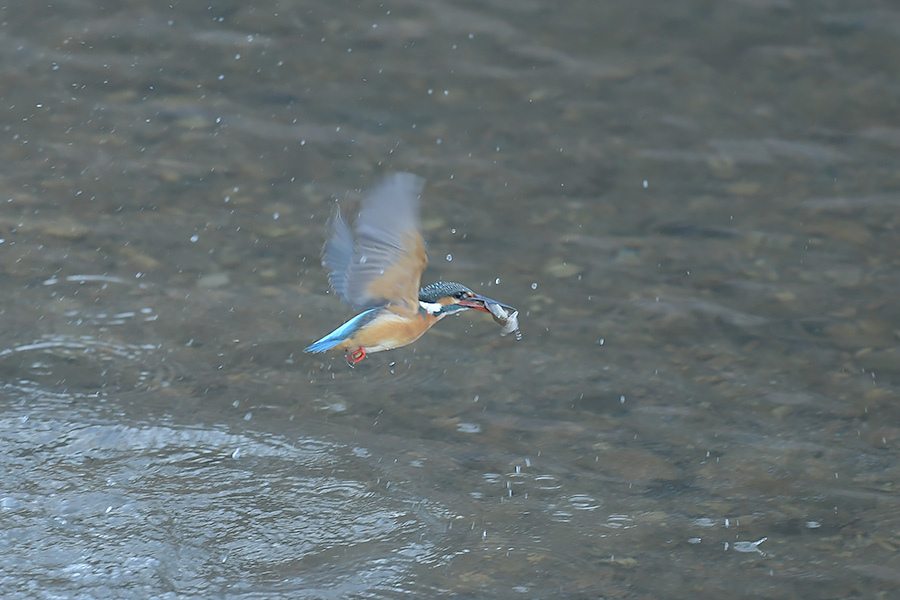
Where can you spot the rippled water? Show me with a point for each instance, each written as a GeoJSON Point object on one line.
{"type": "Point", "coordinates": [693, 206]}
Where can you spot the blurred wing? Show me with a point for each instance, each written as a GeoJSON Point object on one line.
{"type": "Point", "coordinates": [337, 254]}
{"type": "Point", "coordinates": [385, 263]}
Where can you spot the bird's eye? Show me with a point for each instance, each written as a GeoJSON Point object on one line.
{"type": "Point", "coordinates": [461, 295]}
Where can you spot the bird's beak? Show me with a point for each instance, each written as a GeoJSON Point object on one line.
{"type": "Point", "coordinates": [479, 302]}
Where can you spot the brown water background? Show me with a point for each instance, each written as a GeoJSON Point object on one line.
{"type": "Point", "coordinates": [695, 206]}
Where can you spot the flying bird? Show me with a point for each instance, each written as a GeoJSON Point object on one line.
{"type": "Point", "coordinates": [378, 272]}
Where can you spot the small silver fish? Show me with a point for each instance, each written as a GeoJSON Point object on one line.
{"type": "Point", "coordinates": [505, 316]}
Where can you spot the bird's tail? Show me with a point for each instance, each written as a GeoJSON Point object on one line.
{"type": "Point", "coordinates": [343, 332]}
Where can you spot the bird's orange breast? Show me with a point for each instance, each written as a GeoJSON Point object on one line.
{"type": "Point", "coordinates": [389, 330]}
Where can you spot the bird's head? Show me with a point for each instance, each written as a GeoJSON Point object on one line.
{"type": "Point", "coordinates": [445, 297]}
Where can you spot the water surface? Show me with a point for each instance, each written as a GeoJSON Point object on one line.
{"type": "Point", "coordinates": [694, 206]}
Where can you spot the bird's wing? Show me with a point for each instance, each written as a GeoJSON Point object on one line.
{"type": "Point", "coordinates": [385, 262]}
{"type": "Point", "coordinates": [338, 253]}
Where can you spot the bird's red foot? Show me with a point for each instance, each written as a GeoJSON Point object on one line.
{"type": "Point", "coordinates": [355, 356]}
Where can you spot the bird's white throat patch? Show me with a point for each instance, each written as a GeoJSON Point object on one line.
{"type": "Point", "coordinates": [432, 308]}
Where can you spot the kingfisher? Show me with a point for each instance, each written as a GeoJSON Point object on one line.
{"type": "Point", "coordinates": [378, 272]}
